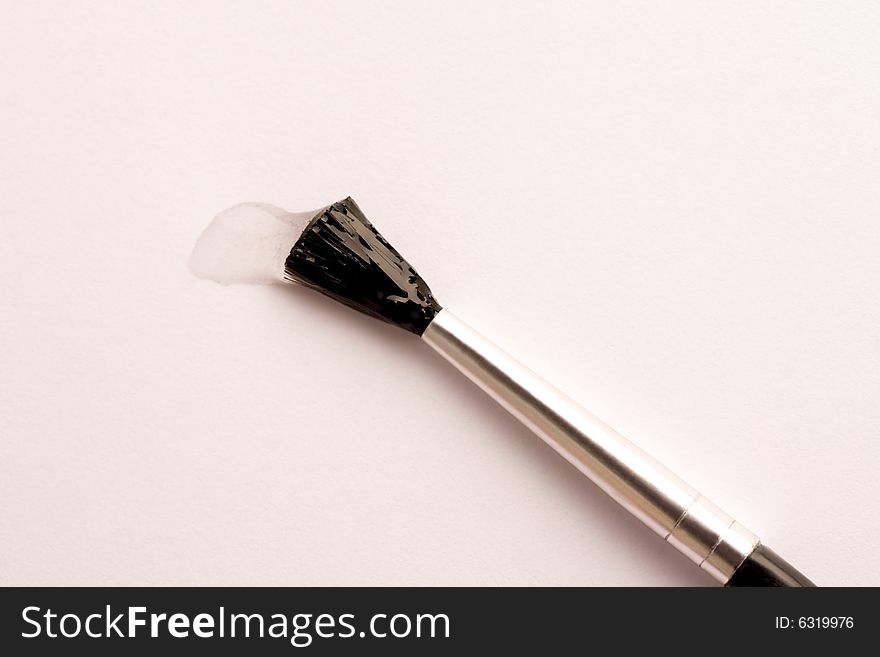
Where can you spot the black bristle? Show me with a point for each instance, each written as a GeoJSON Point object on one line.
{"type": "Point", "coordinates": [341, 255]}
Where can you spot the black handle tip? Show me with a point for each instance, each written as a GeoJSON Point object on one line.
{"type": "Point", "coordinates": [763, 567]}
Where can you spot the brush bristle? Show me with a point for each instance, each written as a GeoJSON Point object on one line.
{"type": "Point", "coordinates": [341, 255]}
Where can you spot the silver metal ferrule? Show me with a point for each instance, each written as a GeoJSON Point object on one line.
{"type": "Point", "coordinates": [643, 486]}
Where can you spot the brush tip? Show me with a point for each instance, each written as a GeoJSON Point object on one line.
{"type": "Point", "coordinates": [340, 254]}
{"type": "Point", "coordinates": [335, 251]}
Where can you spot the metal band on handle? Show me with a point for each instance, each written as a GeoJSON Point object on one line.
{"type": "Point", "coordinates": [639, 483]}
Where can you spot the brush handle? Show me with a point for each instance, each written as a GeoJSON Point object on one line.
{"type": "Point", "coordinates": [676, 511]}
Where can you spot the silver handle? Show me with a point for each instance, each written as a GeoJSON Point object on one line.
{"type": "Point", "coordinates": [639, 483]}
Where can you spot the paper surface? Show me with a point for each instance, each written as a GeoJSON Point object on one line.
{"type": "Point", "coordinates": [670, 212]}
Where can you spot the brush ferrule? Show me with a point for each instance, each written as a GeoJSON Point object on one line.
{"type": "Point", "coordinates": [638, 482]}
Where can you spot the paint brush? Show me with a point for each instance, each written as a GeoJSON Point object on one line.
{"type": "Point", "coordinates": [337, 252]}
